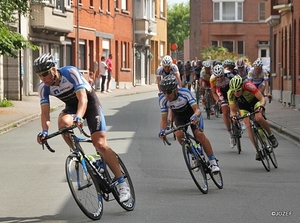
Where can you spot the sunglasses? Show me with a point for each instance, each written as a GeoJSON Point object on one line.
{"type": "Point", "coordinates": [237, 91]}
{"type": "Point", "coordinates": [167, 67]}
{"type": "Point", "coordinates": [44, 73]}
{"type": "Point", "coordinates": [168, 92]}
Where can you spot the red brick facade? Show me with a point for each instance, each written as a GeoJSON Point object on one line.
{"type": "Point", "coordinates": [106, 22]}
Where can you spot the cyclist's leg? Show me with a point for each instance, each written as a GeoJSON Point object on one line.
{"type": "Point", "coordinates": [98, 136]}
{"type": "Point", "coordinates": [65, 119]}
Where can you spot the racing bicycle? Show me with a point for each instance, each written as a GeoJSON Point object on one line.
{"type": "Point", "coordinates": [237, 134]}
{"type": "Point", "coordinates": [262, 142]}
{"type": "Point", "coordinates": [199, 170]}
{"type": "Point", "coordinates": [91, 181]}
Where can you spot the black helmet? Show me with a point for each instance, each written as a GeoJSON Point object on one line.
{"type": "Point", "coordinates": [168, 83]}
{"type": "Point", "coordinates": [43, 63]}
{"type": "Point", "coordinates": [199, 62]}
{"type": "Point", "coordinates": [217, 62]}
{"type": "Point", "coordinates": [179, 63]}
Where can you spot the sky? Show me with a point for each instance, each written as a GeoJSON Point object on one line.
{"type": "Point", "coordinates": [176, 1]}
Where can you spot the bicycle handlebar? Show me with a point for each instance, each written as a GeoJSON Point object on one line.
{"type": "Point", "coordinates": [165, 140]}
{"type": "Point", "coordinates": [59, 132]}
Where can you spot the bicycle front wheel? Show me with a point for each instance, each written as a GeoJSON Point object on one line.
{"type": "Point", "coordinates": [127, 205]}
{"type": "Point", "coordinates": [236, 131]}
{"type": "Point", "coordinates": [217, 178]}
{"type": "Point", "coordinates": [197, 171]}
{"type": "Point", "coordinates": [207, 106]}
{"type": "Point", "coordinates": [84, 187]}
{"type": "Point", "coordinates": [270, 150]}
{"type": "Point", "coordinates": [261, 149]}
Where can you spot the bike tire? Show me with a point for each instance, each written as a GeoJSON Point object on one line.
{"type": "Point", "coordinates": [261, 145]}
{"type": "Point", "coordinates": [197, 173]}
{"type": "Point", "coordinates": [84, 187]}
{"type": "Point", "coordinates": [217, 178]}
{"type": "Point", "coordinates": [127, 205]}
{"type": "Point", "coordinates": [236, 132]}
{"type": "Point", "coordinates": [238, 144]}
{"type": "Point", "coordinates": [208, 105]}
{"type": "Point", "coordinates": [270, 150]}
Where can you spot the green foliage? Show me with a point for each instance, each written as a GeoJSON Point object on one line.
{"type": "Point", "coordinates": [218, 52]}
{"type": "Point", "coordinates": [178, 23]}
{"type": "Point", "coordinates": [6, 103]}
{"type": "Point", "coordinates": [10, 40]}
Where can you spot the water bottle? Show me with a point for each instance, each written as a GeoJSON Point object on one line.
{"type": "Point", "coordinates": [97, 162]}
{"type": "Point", "coordinates": [198, 148]}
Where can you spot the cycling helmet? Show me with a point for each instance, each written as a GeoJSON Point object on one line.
{"type": "Point", "coordinates": [229, 63]}
{"type": "Point", "coordinates": [43, 63]}
{"type": "Point", "coordinates": [179, 63]}
{"type": "Point", "coordinates": [168, 83]}
{"type": "Point", "coordinates": [217, 62]}
{"type": "Point", "coordinates": [188, 62]}
{"type": "Point", "coordinates": [236, 83]}
{"type": "Point", "coordinates": [218, 70]}
{"type": "Point", "coordinates": [167, 61]}
{"type": "Point", "coordinates": [257, 63]}
{"type": "Point", "coordinates": [206, 64]}
{"type": "Point", "coordinates": [240, 63]}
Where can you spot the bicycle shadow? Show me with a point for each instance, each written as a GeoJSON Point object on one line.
{"type": "Point", "coordinates": [43, 218]}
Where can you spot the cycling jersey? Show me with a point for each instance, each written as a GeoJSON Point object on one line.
{"type": "Point", "coordinates": [197, 72]}
{"type": "Point", "coordinates": [258, 79]}
{"type": "Point", "coordinates": [181, 107]}
{"type": "Point", "coordinates": [181, 70]}
{"type": "Point", "coordinates": [247, 101]}
{"type": "Point", "coordinates": [188, 71]}
{"type": "Point", "coordinates": [71, 81]}
{"type": "Point", "coordinates": [221, 85]}
{"type": "Point", "coordinates": [161, 72]}
{"type": "Point", "coordinates": [243, 73]}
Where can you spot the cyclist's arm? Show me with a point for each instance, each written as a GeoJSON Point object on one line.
{"type": "Point", "coordinates": [164, 120]}
{"type": "Point", "coordinates": [197, 111]}
{"type": "Point", "coordinates": [261, 98]}
{"type": "Point", "coordinates": [158, 79]}
{"type": "Point", "coordinates": [177, 75]}
{"type": "Point", "coordinates": [82, 102]}
{"type": "Point", "coordinates": [45, 116]}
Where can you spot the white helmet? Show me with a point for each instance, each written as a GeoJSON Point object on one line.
{"type": "Point", "coordinates": [218, 70]}
{"type": "Point", "coordinates": [166, 61]}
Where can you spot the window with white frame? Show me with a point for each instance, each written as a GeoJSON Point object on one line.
{"type": "Point", "coordinates": [124, 4]}
{"type": "Point", "coordinates": [162, 49]}
{"type": "Point", "coordinates": [162, 9]}
{"type": "Point", "coordinates": [124, 55]}
{"type": "Point", "coordinates": [228, 45]}
{"type": "Point", "coordinates": [240, 48]}
{"type": "Point", "coordinates": [261, 11]}
{"type": "Point", "coordinates": [228, 10]}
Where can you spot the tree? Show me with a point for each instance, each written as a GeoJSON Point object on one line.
{"type": "Point", "coordinates": [11, 40]}
{"type": "Point", "coordinates": [178, 23]}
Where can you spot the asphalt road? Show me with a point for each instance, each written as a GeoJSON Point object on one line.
{"type": "Point", "coordinates": [33, 186]}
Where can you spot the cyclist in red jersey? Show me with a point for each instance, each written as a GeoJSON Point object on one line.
{"type": "Point", "coordinates": [246, 97]}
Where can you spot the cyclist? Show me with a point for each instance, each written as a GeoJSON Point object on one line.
{"type": "Point", "coordinates": [204, 80]}
{"type": "Point", "coordinates": [184, 109]}
{"type": "Point", "coordinates": [229, 68]}
{"type": "Point", "coordinates": [259, 77]}
{"type": "Point", "coordinates": [167, 68]}
{"type": "Point", "coordinates": [181, 69]}
{"type": "Point", "coordinates": [242, 69]}
{"type": "Point", "coordinates": [219, 86]}
{"type": "Point", "coordinates": [248, 98]}
{"type": "Point", "coordinates": [81, 101]}
{"type": "Point", "coordinates": [189, 73]}
{"type": "Point", "coordinates": [198, 69]}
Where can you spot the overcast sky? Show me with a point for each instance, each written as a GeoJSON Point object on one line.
{"type": "Point", "coordinates": [176, 1]}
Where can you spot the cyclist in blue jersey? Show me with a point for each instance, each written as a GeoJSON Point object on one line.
{"type": "Point", "coordinates": [184, 109]}
{"type": "Point", "coordinates": [81, 101]}
{"type": "Point", "coordinates": [181, 69]}
{"type": "Point", "coordinates": [167, 68]}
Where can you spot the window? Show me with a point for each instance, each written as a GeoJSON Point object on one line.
{"type": "Point", "coordinates": [240, 48]}
{"type": "Point", "coordinates": [228, 45]}
{"type": "Point", "coordinates": [261, 11]}
{"type": "Point", "coordinates": [162, 9]}
{"type": "Point", "coordinates": [214, 43]}
{"type": "Point", "coordinates": [107, 5]}
{"type": "Point", "coordinates": [162, 49]}
{"type": "Point", "coordinates": [100, 4]}
{"type": "Point", "coordinates": [92, 3]}
{"type": "Point", "coordinates": [116, 4]}
{"type": "Point", "coordinates": [124, 5]}
{"type": "Point", "coordinates": [226, 10]}
{"type": "Point", "coordinates": [82, 55]}
{"type": "Point", "coordinates": [125, 47]}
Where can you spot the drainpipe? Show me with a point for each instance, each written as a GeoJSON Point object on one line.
{"type": "Point", "coordinates": [292, 58]}
{"type": "Point", "coordinates": [133, 43]}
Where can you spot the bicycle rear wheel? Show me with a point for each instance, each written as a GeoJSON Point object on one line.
{"type": "Point", "coordinates": [197, 172]}
{"type": "Point", "coordinates": [217, 178]}
{"type": "Point", "coordinates": [261, 149]}
{"type": "Point", "coordinates": [270, 150]}
{"type": "Point", "coordinates": [84, 187]}
{"type": "Point", "coordinates": [127, 205]}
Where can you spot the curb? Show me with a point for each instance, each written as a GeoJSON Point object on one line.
{"type": "Point", "coordinates": [282, 130]}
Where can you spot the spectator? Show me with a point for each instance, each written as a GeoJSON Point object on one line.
{"type": "Point", "coordinates": [103, 73]}
{"type": "Point", "coordinates": [109, 71]}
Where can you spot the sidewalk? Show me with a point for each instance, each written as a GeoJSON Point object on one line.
{"type": "Point", "coordinates": [283, 119]}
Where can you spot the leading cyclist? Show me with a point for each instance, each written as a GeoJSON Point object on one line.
{"type": "Point", "coordinates": [184, 109]}
{"type": "Point", "coordinates": [248, 98]}
{"type": "Point", "coordinates": [81, 101]}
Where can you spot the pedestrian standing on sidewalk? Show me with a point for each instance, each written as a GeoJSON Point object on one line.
{"type": "Point", "coordinates": [109, 71]}
{"type": "Point", "coordinates": [103, 73]}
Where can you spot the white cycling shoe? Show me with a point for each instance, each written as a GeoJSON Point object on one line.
{"type": "Point", "coordinates": [124, 193]}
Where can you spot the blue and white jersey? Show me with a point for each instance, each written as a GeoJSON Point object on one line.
{"type": "Point", "coordinates": [258, 78]}
{"type": "Point", "coordinates": [161, 72]}
{"type": "Point", "coordinates": [182, 103]}
{"type": "Point", "coordinates": [71, 80]}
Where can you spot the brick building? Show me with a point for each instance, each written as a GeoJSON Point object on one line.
{"type": "Point", "coordinates": [238, 25]}
{"type": "Point", "coordinates": [283, 18]}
